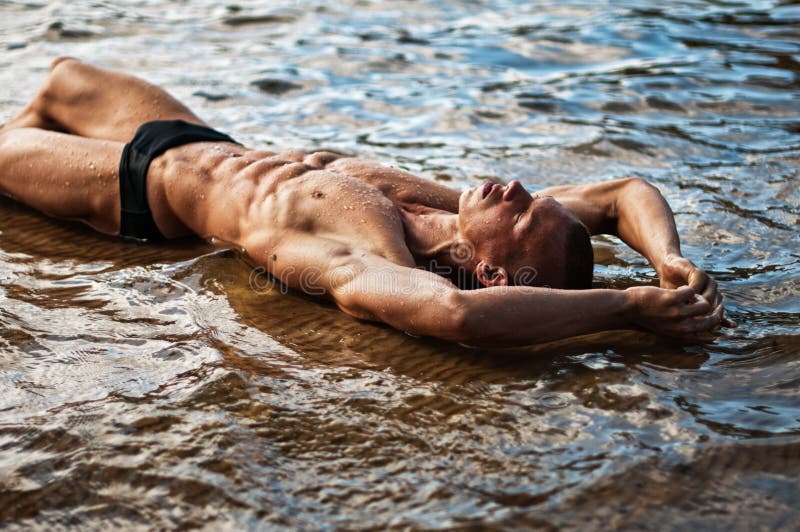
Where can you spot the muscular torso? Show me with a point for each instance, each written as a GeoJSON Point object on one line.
{"type": "Point", "coordinates": [228, 193]}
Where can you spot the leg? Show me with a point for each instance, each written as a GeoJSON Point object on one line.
{"type": "Point", "coordinates": [63, 175]}
{"type": "Point", "coordinates": [92, 102]}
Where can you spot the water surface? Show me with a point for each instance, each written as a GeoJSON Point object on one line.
{"type": "Point", "coordinates": [152, 386]}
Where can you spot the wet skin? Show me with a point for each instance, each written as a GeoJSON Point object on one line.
{"type": "Point", "coordinates": [352, 230]}
{"type": "Point", "coordinates": [516, 229]}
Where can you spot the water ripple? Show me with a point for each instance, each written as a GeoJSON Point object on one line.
{"type": "Point", "coordinates": [149, 386]}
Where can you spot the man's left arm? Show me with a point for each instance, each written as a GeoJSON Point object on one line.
{"type": "Point", "coordinates": [635, 210]}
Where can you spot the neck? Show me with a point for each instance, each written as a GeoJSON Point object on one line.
{"type": "Point", "coordinates": [433, 235]}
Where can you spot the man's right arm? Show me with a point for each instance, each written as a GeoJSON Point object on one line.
{"type": "Point", "coordinates": [516, 316]}
{"type": "Point", "coordinates": [425, 304]}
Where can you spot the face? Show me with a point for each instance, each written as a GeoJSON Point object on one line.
{"type": "Point", "coordinates": [511, 228]}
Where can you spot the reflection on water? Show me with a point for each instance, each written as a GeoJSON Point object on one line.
{"type": "Point", "coordinates": [151, 385]}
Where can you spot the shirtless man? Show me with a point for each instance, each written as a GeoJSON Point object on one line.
{"type": "Point", "coordinates": [372, 238]}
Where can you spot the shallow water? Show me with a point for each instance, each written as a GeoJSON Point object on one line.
{"type": "Point", "coordinates": [152, 386]}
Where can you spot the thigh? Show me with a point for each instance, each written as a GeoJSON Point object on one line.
{"type": "Point", "coordinates": [105, 104]}
{"type": "Point", "coordinates": [63, 175]}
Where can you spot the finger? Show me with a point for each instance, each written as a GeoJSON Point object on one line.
{"type": "Point", "coordinates": [699, 280]}
{"type": "Point", "coordinates": [710, 291]}
{"type": "Point", "coordinates": [726, 321]}
{"type": "Point", "coordinates": [685, 294]}
{"type": "Point", "coordinates": [720, 298]}
{"type": "Point", "coordinates": [703, 323]}
{"type": "Point", "coordinates": [717, 298]}
{"type": "Point", "coordinates": [715, 319]}
{"type": "Point", "coordinates": [697, 307]}
{"type": "Point", "coordinates": [729, 323]}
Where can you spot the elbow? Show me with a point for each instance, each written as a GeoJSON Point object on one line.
{"type": "Point", "coordinates": [637, 184]}
{"type": "Point", "coordinates": [464, 323]}
{"type": "Point", "coordinates": [445, 318]}
{"type": "Point", "coordinates": [630, 190]}
{"type": "Point", "coordinates": [453, 321]}
{"type": "Point", "coordinates": [629, 185]}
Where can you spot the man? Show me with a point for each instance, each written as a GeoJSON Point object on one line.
{"type": "Point", "coordinates": [374, 239]}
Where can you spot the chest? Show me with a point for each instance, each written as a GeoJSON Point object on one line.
{"type": "Point", "coordinates": [341, 208]}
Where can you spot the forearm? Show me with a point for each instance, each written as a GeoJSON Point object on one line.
{"type": "Point", "coordinates": [645, 222]}
{"type": "Point", "coordinates": [525, 315]}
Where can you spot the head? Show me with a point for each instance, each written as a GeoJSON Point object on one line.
{"type": "Point", "coordinates": [520, 239]}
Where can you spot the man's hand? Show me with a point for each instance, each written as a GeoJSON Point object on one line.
{"type": "Point", "coordinates": [678, 313]}
{"type": "Point", "coordinates": [676, 271]}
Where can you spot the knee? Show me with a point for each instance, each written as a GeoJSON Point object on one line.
{"type": "Point", "coordinates": [19, 140]}
{"type": "Point", "coordinates": [62, 59]}
{"type": "Point", "coordinates": [61, 71]}
{"type": "Point", "coordinates": [10, 140]}
{"type": "Point", "coordinates": [10, 137]}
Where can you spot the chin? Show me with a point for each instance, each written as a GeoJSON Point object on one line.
{"type": "Point", "coordinates": [463, 200]}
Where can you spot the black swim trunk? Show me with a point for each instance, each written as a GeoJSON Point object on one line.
{"type": "Point", "coordinates": [151, 140]}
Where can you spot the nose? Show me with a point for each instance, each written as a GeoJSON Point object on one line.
{"type": "Point", "coordinates": [512, 189]}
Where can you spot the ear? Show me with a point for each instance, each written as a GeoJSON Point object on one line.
{"type": "Point", "coordinates": [489, 275]}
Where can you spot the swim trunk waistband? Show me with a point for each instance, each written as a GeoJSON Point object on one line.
{"type": "Point", "coordinates": [151, 140]}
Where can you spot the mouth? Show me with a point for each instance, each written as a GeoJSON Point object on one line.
{"type": "Point", "coordinates": [487, 188]}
